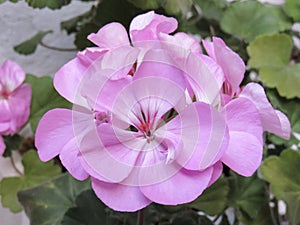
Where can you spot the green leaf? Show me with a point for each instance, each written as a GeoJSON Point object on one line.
{"type": "Point", "coordinates": [190, 218]}
{"type": "Point", "coordinates": [12, 143]}
{"type": "Point", "coordinates": [246, 194]}
{"type": "Point", "coordinates": [52, 4]}
{"type": "Point", "coordinates": [35, 172]}
{"type": "Point", "coordinates": [47, 203]}
{"type": "Point", "coordinates": [89, 210]}
{"type": "Point", "coordinates": [72, 25]}
{"type": "Point", "coordinates": [213, 200]}
{"type": "Point", "coordinates": [14, 1]}
{"type": "Point", "coordinates": [115, 11]}
{"type": "Point", "coordinates": [224, 220]}
{"type": "Point", "coordinates": [285, 79]}
{"type": "Point", "coordinates": [270, 50]}
{"type": "Point", "coordinates": [292, 8]}
{"type": "Point", "coordinates": [212, 9]}
{"type": "Point", "coordinates": [248, 19]}
{"type": "Point", "coordinates": [271, 54]}
{"type": "Point", "coordinates": [81, 40]}
{"type": "Point", "coordinates": [263, 217]}
{"type": "Point", "coordinates": [146, 4]}
{"type": "Point", "coordinates": [177, 7]}
{"type": "Point", "coordinates": [44, 98]}
{"type": "Point", "coordinates": [29, 46]}
{"type": "Point", "coordinates": [282, 173]}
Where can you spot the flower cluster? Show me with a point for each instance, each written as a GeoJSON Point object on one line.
{"type": "Point", "coordinates": [15, 98]}
{"type": "Point", "coordinates": [154, 119]}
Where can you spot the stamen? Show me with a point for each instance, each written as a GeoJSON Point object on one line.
{"type": "Point", "coordinates": [102, 117]}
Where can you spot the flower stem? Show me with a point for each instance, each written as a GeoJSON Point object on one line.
{"type": "Point", "coordinates": [140, 217]}
{"type": "Point", "coordinates": [15, 167]}
{"type": "Point", "coordinates": [57, 48]}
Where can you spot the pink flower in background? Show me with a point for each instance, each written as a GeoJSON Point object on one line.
{"type": "Point", "coordinates": [272, 120]}
{"type": "Point", "coordinates": [244, 105]}
{"type": "Point", "coordinates": [154, 119]}
{"type": "Point", "coordinates": [15, 98]}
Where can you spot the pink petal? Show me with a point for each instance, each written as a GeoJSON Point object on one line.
{"type": "Point", "coordinates": [273, 120]}
{"type": "Point", "coordinates": [179, 45]}
{"type": "Point", "coordinates": [11, 75]}
{"type": "Point", "coordinates": [102, 92]}
{"type": "Point", "coordinates": [242, 115]}
{"type": "Point", "coordinates": [244, 153]}
{"type": "Point", "coordinates": [120, 197]}
{"type": "Point", "coordinates": [231, 63]}
{"type": "Point", "coordinates": [158, 63]}
{"type": "Point", "coordinates": [110, 36]}
{"type": "Point", "coordinates": [209, 48]}
{"type": "Point", "coordinates": [205, 84]}
{"type": "Point", "coordinates": [15, 110]}
{"type": "Point", "coordinates": [19, 103]}
{"type": "Point", "coordinates": [89, 55]}
{"type": "Point", "coordinates": [159, 93]}
{"type": "Point", "coordinates": [97, 150]}
{"type": "Point", "coordinates": [203, 133]}
{"type": "Point", "coordinates": [70, 160]}
{"type": "Point", "coordinates": [54, 132]}
{"type": "Point", "coordinates": [5, 117]}
{"type": "Point", "coordinates": [120, 61]}
{"type": "Point", "coordinates": [217, 172]}
{"type": "Point", "coordinates": [67, 79]}
{"type": "Point", "coordinates": [147, 26]}
{"type": "Point", "coordinates": [2, 146]}
{"type": "Point", "coordinates": [185, 186]}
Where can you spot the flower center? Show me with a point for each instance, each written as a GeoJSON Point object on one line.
{"type": "Point", "coordinates": [102, 117]}
{"type": "Point", "coordinates": [4, 94]}
{"type": "Point", "coordinates": [146, 128]}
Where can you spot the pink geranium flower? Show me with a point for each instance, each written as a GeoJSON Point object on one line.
{"type": "Point", "coordinates": [272, 120]}
{"type": "Point", "coordinates": [149, 123]}
{"type": "Point", "coordinates": [15, 100]}
{"type": "Point", "coordinates": [246, 105]}
{"type": "Point", "coordinates": [129, 128]}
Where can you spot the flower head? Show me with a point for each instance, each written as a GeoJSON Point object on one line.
{"type": "Point", "coordinates": [15, 99]}
{"type": "Point", "coordinates": [149, 123]}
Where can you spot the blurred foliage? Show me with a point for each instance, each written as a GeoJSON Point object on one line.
{"type": "Point", "coordinates": [282, 173]}
{"type": "Point", "coordinates": [48, 202]}
{"type": "Point", "coordinates": [271, 55]}
{"type": "Point", "coordinates": [214, 199]}
{"type": "Point", "coordinates": [35, 172]}
{"type": "Point", "coordinates": [44, 98]}
{"type": "Point", "coordinates": [29, 46]}
{"type": "Point", "coordinates": [12, 143]}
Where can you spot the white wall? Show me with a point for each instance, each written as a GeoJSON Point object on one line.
{"type": "Point", "coordinates": [19, 22]}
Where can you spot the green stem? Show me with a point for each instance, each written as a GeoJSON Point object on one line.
{"type": "Point", "coordinates": [57, 48]}
{"type": "Point", "coordinates": [140, 217]}
{"type": "Point", "coordinates": [15, 167]}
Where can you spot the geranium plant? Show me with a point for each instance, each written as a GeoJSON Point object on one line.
{"type": "Point", "coordinates": [149, 124]}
